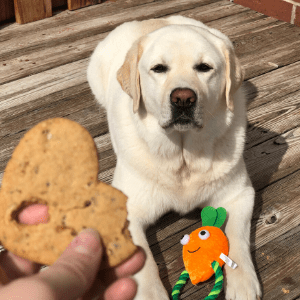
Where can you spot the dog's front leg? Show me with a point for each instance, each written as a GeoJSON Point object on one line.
{"type": "Point", "coordinates": [241, 283]}
{"type": "Point", "coordinates": [150, 286]}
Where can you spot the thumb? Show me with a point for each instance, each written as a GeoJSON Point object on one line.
{"type": "Point", "coordinates": [75, 270]}
{"type": "Point", "coordinates": [68, 278]}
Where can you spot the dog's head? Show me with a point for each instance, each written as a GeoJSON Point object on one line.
{"type": "Point", "coordinates": [183, 74]}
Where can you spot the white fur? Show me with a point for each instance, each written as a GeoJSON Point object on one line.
{"type": "Point", "coordinates": [169, 169]}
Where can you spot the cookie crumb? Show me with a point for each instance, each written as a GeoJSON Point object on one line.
{"type": "Point", "coordinates": [285, 291]}
{"type": "Point", "coordinates": [73, 232]}
{"type": "Point", "coordinates": [116, 246]}
{"type": "Point", "coordinates": [87, 203]}
{"type": "Point", "coordinates": [59, 228]}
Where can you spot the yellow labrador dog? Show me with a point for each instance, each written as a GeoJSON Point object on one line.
{"type": "Point", "coordinates": [177, 117]}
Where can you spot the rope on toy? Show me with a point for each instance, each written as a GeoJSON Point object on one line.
{"type": "Point", "coordinates": [184, 276]}
{"type": "Point", "coordinates": [218, 282]}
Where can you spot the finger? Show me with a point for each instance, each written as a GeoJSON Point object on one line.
{"type": "Point", "coordinates": [76, 268]}
{"type": "Point", "coordinates": [68, 278]}
{"type": "Point", "coordinates": [123, 289]}
{"type": "Point", "coordinates": [13, 265]}
{"type": "Point", "coordinates": [128, 268]}
{"type": "Point", "coordinates": [132, 265]}
{"type": "Point", "coordinates": [106, 277]}
{"type": "Point", "coordinates": [34, 214]}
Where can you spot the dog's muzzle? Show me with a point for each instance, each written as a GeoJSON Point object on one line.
{"type": "Point", "coordinates": [183, 103]}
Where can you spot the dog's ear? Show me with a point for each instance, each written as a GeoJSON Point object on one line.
{"type": "Point", "coordinates": [234, 75]}
{"type": "Point", "coordinates": [128, 75]}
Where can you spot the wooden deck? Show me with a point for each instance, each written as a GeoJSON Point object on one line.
{"type": "Point", "coordinates": [43, 75]}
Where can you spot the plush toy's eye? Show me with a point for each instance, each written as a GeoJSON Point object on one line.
{"type": "Point", "coordinates": [204, 234]}
{"type": "Point", "coordinates": [185, 239]}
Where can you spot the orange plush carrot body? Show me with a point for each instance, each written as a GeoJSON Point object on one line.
{"type": "Point", "coordinates": [205, 246]}
{"type": "Point", "coordinates": [204, 252]}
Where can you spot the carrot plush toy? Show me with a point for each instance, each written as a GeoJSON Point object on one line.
{"type": "Point", "coordinates": [204, 253]}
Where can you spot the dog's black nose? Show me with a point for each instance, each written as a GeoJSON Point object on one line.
{"type": "Point", "coordinates": [183, 98]}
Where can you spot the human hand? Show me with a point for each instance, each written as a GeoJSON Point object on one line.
{"type": "Point", "coordinates": [74, 275]}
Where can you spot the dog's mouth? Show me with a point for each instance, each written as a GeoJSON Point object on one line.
{"type": "Point", "coordinates": [193, 251]}
{"type": "Point", "coordinates": [183, 119]}
{"type": "Point", "coordinates": [182, 122]}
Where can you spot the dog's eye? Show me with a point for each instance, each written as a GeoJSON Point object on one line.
{"type": "Point", "coordinates": [202, 67]}
{"type": "Point", "coordinates": [160, 68]}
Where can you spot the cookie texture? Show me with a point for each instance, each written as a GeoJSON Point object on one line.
{"type": "Point", "coordinates": [56, 164]}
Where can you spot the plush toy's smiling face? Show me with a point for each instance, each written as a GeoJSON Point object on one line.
{"type": "Point", "coordinates": [200, 249]}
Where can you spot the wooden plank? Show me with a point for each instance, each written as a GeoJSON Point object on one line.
{"type": "Point", "coordinates": [20, 54]}
{"type": "Point", "coordinates": [233, 20]}
{"type": "Point", "coordinates": [56, 93]}
{"type": "Point", "coordinates": [278, 263]}
{"type": "Point", "coordinates": [278, 9]}
{"type": "Point", "coordinates": [60, 21]}
{"type": "Point", "coordinates": [41, 54]}
{"type": "Point", "coordinates": [275, 214]}
{"type": "Point", "coordinates": [286, 44]}
{"type": "Point", "coordinates": [279, 83]}
{"type": "Point", "coordinates": [47, 58]}
{"type": "Point", "coordinates": [75, 108]}
{"type": "Point", "coordinates": [107, 157]}
{"type": "Point", "coordinates": [32, 10]}
{"type": "Point", "coordinates": [93, 20]}
{"type": "Point", "coordinates": [273, 160]}
{"type": "Point", "coordinates": [107, 176]}
{"type": "Point", "coordinates": [273, 100]}
{"type": "Point", "coordinates": [29, 89]}
{"type": "Point", "coordinates": [7, 10]}
{"type": "Point", "coordinates": [75, 4]}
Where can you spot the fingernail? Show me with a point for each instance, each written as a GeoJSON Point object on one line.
{"type": "Point", "coordinates": [86, 242]}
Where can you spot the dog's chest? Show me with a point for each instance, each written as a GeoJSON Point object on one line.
{"type": "Point", "coordinates": [189, 175]}
{"type": "Point", "coordinates": [183, 173]}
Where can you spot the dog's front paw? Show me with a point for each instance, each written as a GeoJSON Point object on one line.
{"type": "Point", "coordinates": [150, 289]}
{"type": "Point", "coordinates": [241, 284]}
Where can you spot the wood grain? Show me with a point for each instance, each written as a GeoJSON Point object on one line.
{"type": "Point", "coordinates": [34, 56]}
{"type": "Point", "coordinates": [75, 4]}
{"type": "Point", "coordinates": [32, 10]}
{"type": "Point", "coordinates": [7, 10]}
{"type": "Point", "coordinates": [66, 42]}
